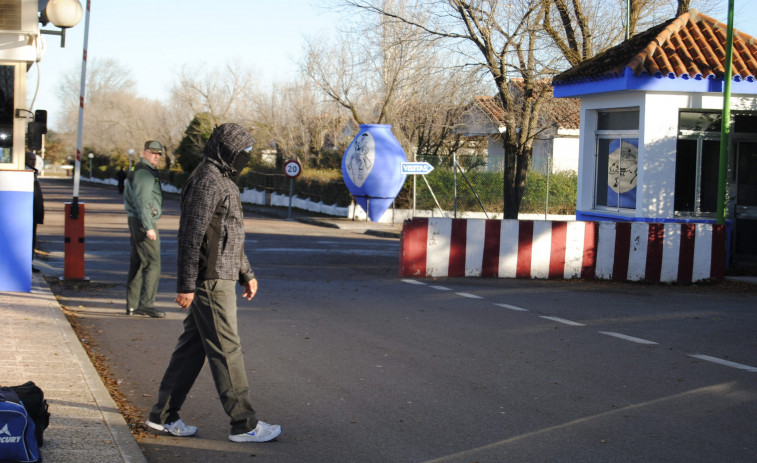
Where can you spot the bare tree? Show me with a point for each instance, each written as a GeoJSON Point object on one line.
{"type": "Point", "coordinates": [386, 71]}
{"type": "Point", "coordinates": [116, 119]}
{"type": "Point", "coordinates": [506, 41]}
{"type": "Point", "coordinates": [368, 69]}
{"type": "Point", "coordinates": [582, 28]}
{"type": "Point", "coordinates": [296, 122]}
{"type": "Point", "coordinates": [223, 94]}
{"type": "Point", "coordinates": [683, 7]}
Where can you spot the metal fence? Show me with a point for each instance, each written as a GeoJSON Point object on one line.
{"type": "Point", "coordinates": [473, 187]}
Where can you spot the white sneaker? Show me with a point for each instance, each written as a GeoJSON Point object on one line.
{"type": "Point", "coordinates": [263, 432]}
{"type": "Point", "coordinates": [177, 428]}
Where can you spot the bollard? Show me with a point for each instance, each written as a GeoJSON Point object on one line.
{"type": "Point", "coordinates": [73, 259]}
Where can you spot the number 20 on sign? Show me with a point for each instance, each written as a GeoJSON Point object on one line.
{"type": "Point", "coordinates": [292, 169]}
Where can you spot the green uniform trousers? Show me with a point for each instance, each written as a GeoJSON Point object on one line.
{"type": "Point", "coordinates": [144, 268]}
{"type": "Point", "coordinates": [210, 330]}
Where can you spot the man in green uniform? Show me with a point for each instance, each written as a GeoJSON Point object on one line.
{"type": "Point", "coordinates": [143, 200]}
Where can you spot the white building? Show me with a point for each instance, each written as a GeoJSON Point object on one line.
{"type": "Point", "coordinates": [555, 146]}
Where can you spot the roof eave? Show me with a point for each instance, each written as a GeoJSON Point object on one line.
{"type": "Point", "coordinates": [671, 84]}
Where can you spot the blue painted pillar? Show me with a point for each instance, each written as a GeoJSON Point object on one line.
{"type": "Point", "coordinates": [16, 229]}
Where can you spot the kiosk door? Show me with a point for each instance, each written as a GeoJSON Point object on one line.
{"type": "Point", "coordinates": [746, 202]}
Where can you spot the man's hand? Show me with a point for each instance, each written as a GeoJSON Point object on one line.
{"type": "Point", "coordinates": [184, 300]}
{"type": "Point", "coordinates": [151, 235]}
{"type": "Point", "coordinates": [250, 289]}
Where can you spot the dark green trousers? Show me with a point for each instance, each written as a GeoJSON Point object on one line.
{"type": "Point", "coordinates": [210, 331]}
{"type": "Point", "coordinates": [144, 268]}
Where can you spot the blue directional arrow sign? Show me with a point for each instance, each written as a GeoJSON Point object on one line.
{"type": "Point", "coordinates": [416, 168]}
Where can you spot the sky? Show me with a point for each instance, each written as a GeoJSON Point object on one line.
{"type": "Point", "coordinates": [155, 39]}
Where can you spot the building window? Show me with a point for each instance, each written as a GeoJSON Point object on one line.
{"type": "Point", "coordinates": [7, 74]}
{"type": "Point", "coordinates": [617, 166]}
{"type": "Point", "coordinates": [697, 154]}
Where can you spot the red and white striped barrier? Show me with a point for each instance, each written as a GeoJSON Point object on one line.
{"type": "Point", "coordinates": [440, 247]}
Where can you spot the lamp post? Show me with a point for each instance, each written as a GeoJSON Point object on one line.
{"type": "Point", "coordinates": [90, 156]}
{"type": "Point", "coordinates": [131, 155]}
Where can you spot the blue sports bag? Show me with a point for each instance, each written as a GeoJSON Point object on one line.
{"type": "Point", "coordinates": [18, 443]}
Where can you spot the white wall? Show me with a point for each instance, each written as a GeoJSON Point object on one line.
{"type": "Point", "coordinates": [657, 166]}
{"type": "Point", "coordinates": [565, 154]}
{"type": "Point", "coordinates": [496, 154]}
{"type": "Point", "coordinates": [658, 133]}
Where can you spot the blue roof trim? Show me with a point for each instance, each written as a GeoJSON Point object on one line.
{"type": "Point", "coordinates": [594, 216]}
{"type": "Point", "coordinates": [656, 83]}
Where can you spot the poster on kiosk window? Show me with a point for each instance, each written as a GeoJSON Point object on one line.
{"type": "Point", "coordinates": [622, 173]}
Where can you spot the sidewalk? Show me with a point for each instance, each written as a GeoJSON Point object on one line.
{"type": "Point", "coordinates": [41, 346]}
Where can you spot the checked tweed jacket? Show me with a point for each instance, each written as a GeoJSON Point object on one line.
{"type": "Point", "coordinates": [211, 229]}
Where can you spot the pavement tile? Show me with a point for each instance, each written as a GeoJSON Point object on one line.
{"type": "Point", "coordinates": [41, 346]}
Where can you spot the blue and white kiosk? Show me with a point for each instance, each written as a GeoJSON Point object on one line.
{"type": "Point", "coordinates": [650, 129]}
{"type": "Point", "coordinates": [20, 48]}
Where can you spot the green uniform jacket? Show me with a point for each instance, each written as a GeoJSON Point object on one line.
{"type": "Point", "coordinates": [143, 197]}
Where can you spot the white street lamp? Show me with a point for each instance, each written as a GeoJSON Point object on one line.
{"type": "Point", "coordinates": [62, 13]}
{"type": "Point", "coordinates": [131, 155]}
{"type": "Point", "coordinates": [90, 156]}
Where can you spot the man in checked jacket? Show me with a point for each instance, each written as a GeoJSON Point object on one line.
{"type": "Point", "coordinates": [211, 260]}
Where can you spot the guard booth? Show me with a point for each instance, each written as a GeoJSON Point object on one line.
{"type": "Point", "coordinates": [18, 51]}
{"type": "Point", "coordinates": [650, 129]}
{"type": "Point", "coordinates": [21, 45]}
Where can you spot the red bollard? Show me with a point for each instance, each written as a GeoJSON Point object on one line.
{"type": "Point", "coordinates": [73, 258]}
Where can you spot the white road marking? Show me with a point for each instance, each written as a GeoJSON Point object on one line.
{"type": "Point", "coordinates": [562, 320]}
{"type": "Point", "coordinates": [469, 295]}
{"type": "Point", "coordinates": [627, 338]}
{"type": "Point", "coordinates": [706, 358]}
{"type": "Point", "coordinates": [724, 362]}
{"type": "Point", "coordinates": [511, 307]}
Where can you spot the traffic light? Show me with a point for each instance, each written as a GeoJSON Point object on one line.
{"type": "Point", "coordinates": [36, 129]}
{"type": "Point", "coordinates": [40, 116]}
{"type": "Point", "coordinates": [34, 135]}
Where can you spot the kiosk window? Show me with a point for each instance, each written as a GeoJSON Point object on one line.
{"type": "Point", "coordinates": [697, 154]}
{"type": "Point", "coordinates": [617, 163]}
{"type": "Point", "coordinates": [6, 113]}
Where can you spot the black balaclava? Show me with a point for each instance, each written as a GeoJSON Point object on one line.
{"type": "Point", "coordinates": [241, 160]}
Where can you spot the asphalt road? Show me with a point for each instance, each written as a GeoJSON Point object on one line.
{"type": "Point", "coordinates": [358, 365]}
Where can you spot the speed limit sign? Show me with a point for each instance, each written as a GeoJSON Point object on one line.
{"type": "Point", "coordinates": [292, 168]}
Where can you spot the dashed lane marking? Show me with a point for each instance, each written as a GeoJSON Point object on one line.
{"type": "Point", "coordinates": [627, 338]}
{"type": "Point", "coordinates": [469, 295]}
{"type": "Point", "coordinates": [724, 362]}
{"type": "Point", "coordinates": [562, 320]}
{"type": "Point", "coordinates": [613, 334]}
{"type": "Point", "coordinates": [511, 307]}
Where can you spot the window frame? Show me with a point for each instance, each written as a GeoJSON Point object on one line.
{"type": "Point", "coordinates": [612, 134]}
{"type": "Point", "coordinates": [700, 136]}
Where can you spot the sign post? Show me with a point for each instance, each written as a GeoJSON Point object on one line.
{"type": "Point", "coordinates": [416, 168]}
{"type": "Point", "coordinates": [292, 169]}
